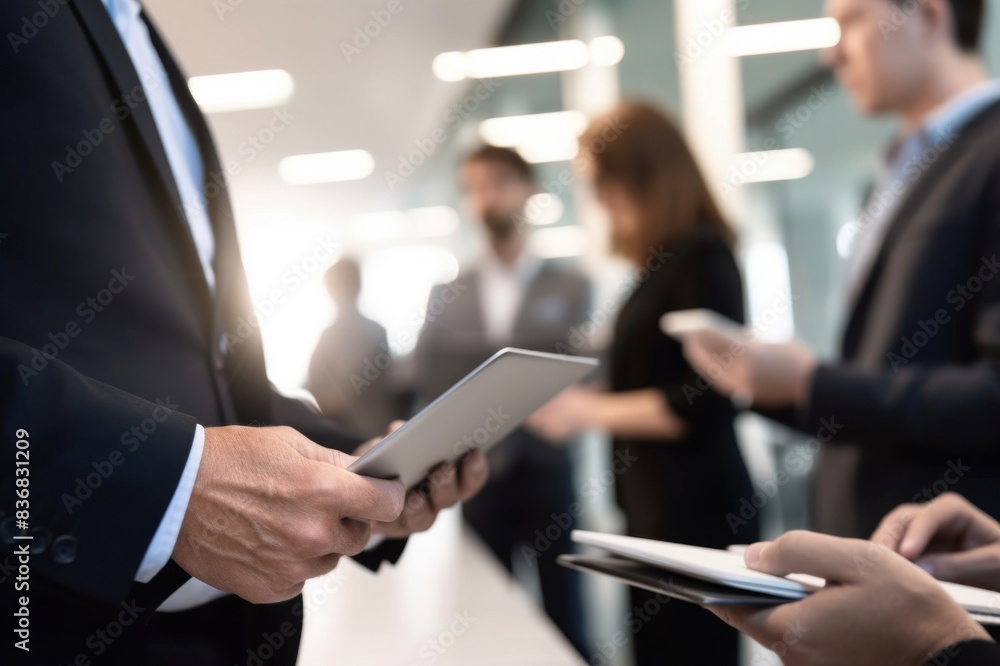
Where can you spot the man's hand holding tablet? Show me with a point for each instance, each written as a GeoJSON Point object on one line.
{"type": "Point", "coordinates": [445, 487]}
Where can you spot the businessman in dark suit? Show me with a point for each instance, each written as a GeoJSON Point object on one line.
{"type": "Point", "coordinates": [511, 298]}
{"type": "Point", "coordinates": [126, 379]}
{"type": "Point", "coordinates": [918, 390]}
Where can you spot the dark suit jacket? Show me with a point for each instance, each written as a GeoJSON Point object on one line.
{"type": "Point", "coordinates": [112, 346]}
{"type": "Point", "coordinates": [970, 653]}
{"type": "Point", "coordinates": [453, 342]}
{"type": "Point", "coordinates": [918, 396]}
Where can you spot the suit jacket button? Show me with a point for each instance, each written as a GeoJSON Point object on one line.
{"type": "Point", "coordinates": [40, 540]}
{"type": "Point", "coordinates": [64, 549]}
{"type": "Point", "coordinates": [8, 529]}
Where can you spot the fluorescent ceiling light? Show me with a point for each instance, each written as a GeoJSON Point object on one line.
{"type": "Point", "coordinates": [562, 56]}
{"type": "Point", "coordinates": [541, 137]}
{"type": "Point", "coordinates": [606, 51]}
{"type": "Point", "coordinates": [326, 167]}
{"type": "Point", "coordinates": [556, 149]}
{"type": "Point", "coordinates": [559, 242]}
{"type": "Point", "coordinates": [241, 90]}
{"type": "Point", "coordinates": [748, 40]}
{"type": "Point", "coordinates": [772, 165]}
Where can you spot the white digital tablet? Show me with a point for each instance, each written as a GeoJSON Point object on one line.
{"type": "Point", "coordinates": [710, 564]}
{"type": "Point", "coordinates": [474, 414]}
{"type": "Point", "coordinates": [726, 568]}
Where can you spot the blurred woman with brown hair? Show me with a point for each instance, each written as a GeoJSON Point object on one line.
{"type": "Point", "coordinates": [687, 475]}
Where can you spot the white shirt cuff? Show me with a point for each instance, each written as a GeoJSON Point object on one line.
{"type": "Point", "coordinates": [162, 545]}
{"type": "Point", "coordinates": [374, 541]}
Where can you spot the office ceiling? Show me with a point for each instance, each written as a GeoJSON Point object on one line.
{"type": "Point", "coordinates": [386, 97]}
{"type": "Point", "coordinates": [382, 100]}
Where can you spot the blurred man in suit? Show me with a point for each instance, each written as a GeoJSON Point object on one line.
{"type": "Point", "coordinates": [918, 389]}
{"type": "Point", "coordinates": [145, 523]}
{"type": "Point", "coordinates": [339, 372]}
{"type": "Point", "coordinates": [511, 298]}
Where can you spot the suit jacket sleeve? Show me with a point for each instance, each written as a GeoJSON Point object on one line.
{"type": "Point", "coordinates": [102, 468]}
{"type": "Point", "coordinates": [927, 406]}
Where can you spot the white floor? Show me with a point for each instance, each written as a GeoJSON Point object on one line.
{"type": "Point", "coordinates": [447, 601]}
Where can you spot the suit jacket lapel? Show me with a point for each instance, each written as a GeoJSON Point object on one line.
{"type": "Point", "coordinates": [107, 42]}
{"type": "Point", "coordinates": [214, 192]}
{"type": "Point", "coordinates": [245, 353]}
{"type": "Point", "coordinates": [904, 216]}
{"type": "Point", "coordinates": [97, 21]}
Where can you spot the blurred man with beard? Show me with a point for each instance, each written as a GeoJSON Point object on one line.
{"type": "Point", "coordinates": [511, 298]}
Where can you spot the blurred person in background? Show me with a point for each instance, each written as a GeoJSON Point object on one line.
{"type": "Point", "coordinates": [918, 389]}
{"type": "Point", "coordinates": [349, 374]}
{"type": "Point", "coordinates": [511, 298]}
{"type": "Point", "coordinates": [684, 471]}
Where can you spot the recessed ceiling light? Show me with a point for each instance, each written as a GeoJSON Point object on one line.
{"type": "Point", "coordinates": [326, 167]}
{"type": "Point", "coordinates": [540, 137]}
{"type": "Point", "coordinates": [772, 165]}
{"type": "Point", "coordinates": [748, 40]}
{"type": "Point", "coordinates": [522, 59]}
{"type": "Point", "coordinates": [241, 90]}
